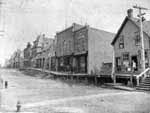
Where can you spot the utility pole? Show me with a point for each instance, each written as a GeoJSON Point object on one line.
{"type": "Point", "coordinates": [140, 15]}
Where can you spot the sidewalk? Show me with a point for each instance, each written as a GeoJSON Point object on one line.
{"type": "Point", "coordinates": [119, 86]}
{"type": "Point", "coordinates": [59, 73]}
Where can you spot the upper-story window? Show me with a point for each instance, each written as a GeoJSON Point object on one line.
{"type": "Point", "coordinates": [121, 42]}
{"type": "Point", "coordinates": [137, 39]}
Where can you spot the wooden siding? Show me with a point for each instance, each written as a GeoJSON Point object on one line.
{"type": "Point", "coordinates": [81, 41]}
{"type": "Point", "coordinates": [129, 33]}
{"type": "Point", "coordinates": [64, 44]}
{"type": "Point", "coordinates": [99, 50]}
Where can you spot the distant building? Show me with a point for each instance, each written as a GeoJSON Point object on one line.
{"type": "Point", "coordinates": [17, 59]}
{"type": "Point", "coordinates": [52, 55]}
{"type": "Point", "coordinates": [36, 50]}
{"type": "Point", "coordinates": [44, 54]}
{"type": "Point", "coordinates": [127, 47]}
{"type": "Point", "coordinates": [27, 55]}
{"type": "Point", "coordinates": [40, 51]}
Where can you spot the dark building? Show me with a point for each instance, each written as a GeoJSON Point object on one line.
{"type": "Point", "coordinates": [81, 49]}
{"type": "Point", "coordinates": [65, 47]}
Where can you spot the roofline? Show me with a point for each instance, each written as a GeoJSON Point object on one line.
{"type": "Point", "coordinates": [64, 30]}
{"type": "Point", "coordinates": [122, 25]}
{"type": "Point", "coordinates": [81, 28]}
{"type": "Point", "coordinates": [118, 32]}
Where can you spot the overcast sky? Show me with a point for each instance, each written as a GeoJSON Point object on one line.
{"type": "Point", "coordinates": [23, 20]}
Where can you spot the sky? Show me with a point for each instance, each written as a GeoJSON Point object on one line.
{"type": "Point", "coordinates": [23, 20]}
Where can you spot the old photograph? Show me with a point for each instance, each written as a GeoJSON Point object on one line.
{"type": "Point", "coordinates": [74, 56]}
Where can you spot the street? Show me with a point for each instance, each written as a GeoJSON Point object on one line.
{"type": "Point", "coordinates": [47, 95]}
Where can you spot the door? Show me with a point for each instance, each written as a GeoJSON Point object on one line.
{"type": "Point", "coordinates": [118, 64]}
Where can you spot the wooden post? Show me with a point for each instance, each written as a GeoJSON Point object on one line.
{"type": "Point", "coordinates": [95, 80]}
{"type": "Point", "coordinates": [131, 80]}
{"type": "Point", "coordinates": [114, 78]}
{"type": "Point", "coordinates": [138, 81]}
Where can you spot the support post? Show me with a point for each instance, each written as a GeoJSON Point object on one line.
{"type": "Point", "coordinates": [114, 78]}
{"type": "Point", "coordinates": [96, 80]}
{"type": "Point", "coordinates": [113, 67]}
{"type": "Point", "coordinates": [137, 81]}
{"type": "Point", "coordinates": [131, 80]}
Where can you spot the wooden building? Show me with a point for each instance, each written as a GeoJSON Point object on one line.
{"type": "Point", "coordinates": [127, 47]}
{"type": "Point", "coordinates": [65, 48]}
{"type": "Point", "coordinates": [94, 50]}
{"type": "Point", "coordinates": [83, 49]}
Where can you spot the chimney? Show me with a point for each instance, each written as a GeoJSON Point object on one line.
{"type": "Point", "coordinates": [130, 13]}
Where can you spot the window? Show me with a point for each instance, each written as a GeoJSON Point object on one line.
{"type": "Point", "coordinates": [146, 53]}
{"type": "Point", "coordinates": [121, 42]}
{"type": "Point", "coordinates": [137, 39]}
{"type": "Point", "coordinates": [118, 64]}
{"type": "Point", "coordinates": [125, 56]}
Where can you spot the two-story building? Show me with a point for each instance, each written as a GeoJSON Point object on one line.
{"type": "Point", "coordinates": [84, 50]}
{"type": "Point", "coordinates": [65, 48]}
{"type": "Point", "coordinates": [92, 50]}
{"type": "Point", "coordinates": [127, 47]}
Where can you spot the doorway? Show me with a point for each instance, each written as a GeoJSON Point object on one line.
{"type": "Point", "coordinates": [135, 59]}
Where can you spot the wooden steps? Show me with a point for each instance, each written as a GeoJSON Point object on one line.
{"type": "Point", "coordinates": [144, 85]}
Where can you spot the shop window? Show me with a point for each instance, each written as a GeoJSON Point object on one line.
{"type": "Point", "coordinates": [121, 42]}
{"type": "Point", "coordinates": [137, 39]}
{"type": "Point", "coordinates": [146, 53]}
{"type": "Point", "coordinates": [125, 56]}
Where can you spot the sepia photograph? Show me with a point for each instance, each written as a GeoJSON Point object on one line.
{"type": "Point", "coordinates": [74, 56]}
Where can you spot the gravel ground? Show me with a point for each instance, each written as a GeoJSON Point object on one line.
{"type": "Point", "coordinates": [137, 102]}
{"type": "Point", "coordinates": [55, 96]}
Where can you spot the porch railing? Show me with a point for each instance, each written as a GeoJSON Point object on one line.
{"type": "Point", "coordinates": [143, 75]}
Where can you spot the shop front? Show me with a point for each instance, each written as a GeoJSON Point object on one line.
{"type": "Point", "coordinates": [130, 63]}
{"type": "Point", "coordinates": [80, 63]}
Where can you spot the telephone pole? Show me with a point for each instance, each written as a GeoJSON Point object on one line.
{"type": "Point", "coordinates": [140, 15]}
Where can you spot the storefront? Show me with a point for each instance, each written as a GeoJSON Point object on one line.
{"type": "Point", "coordinates": [129, 62]}
{"type": "Point", "coordinates": [80, 63]}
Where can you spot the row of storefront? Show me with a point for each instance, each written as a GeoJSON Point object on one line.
{"type": "Point", "coordinates": [76, 49]}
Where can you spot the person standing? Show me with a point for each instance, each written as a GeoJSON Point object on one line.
{"type": "Point", "coordinates": [133, 66]}
{"type": "Point", "coordinates": [6, 84]}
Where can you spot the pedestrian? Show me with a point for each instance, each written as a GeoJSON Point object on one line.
{"type": "Point", "coordinates": [133, 66]}
{"type": "Point", "coordinates": [6, 84]}
{"type": "Point", "coordinates": [18, 106]}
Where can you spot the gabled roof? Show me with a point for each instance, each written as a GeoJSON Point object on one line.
{"type": "Point", "coordinates": [146, 27]}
